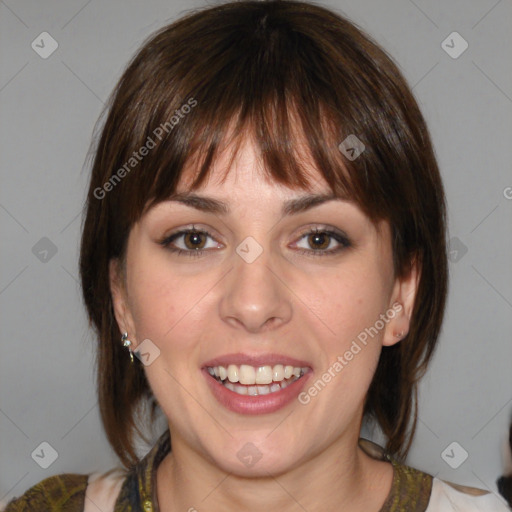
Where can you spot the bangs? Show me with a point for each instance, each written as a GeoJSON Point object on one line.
{"type": "Point", "coordinates": [265, 81]}
{"type": "Point", "coordinates": [289, 151]}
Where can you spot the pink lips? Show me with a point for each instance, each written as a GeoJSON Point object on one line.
{"type": "Point", "coordinates": [259, 404]}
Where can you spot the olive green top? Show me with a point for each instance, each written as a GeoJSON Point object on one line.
{"type": "Point", "coordinates": [410, 490]}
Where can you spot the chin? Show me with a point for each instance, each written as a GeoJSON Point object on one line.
{"type": "Point", "coordinates": [260, 458]}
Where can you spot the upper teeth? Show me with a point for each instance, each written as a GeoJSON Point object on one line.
{"type": "Point", "coordinates": [250, 375]}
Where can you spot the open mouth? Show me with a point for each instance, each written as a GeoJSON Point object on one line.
{"type": "Point", "coordinates": [254, 381]}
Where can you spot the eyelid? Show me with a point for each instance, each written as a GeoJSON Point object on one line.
{"type": "Point", "coordinates": [190, 228]}
{"type": "Point", "coordinates": [321, 228]}
{"type": "Point", "coordinates": [339, 236]}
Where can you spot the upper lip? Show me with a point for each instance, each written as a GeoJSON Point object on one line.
{"type": "Point", "coordinates": [256, 360]}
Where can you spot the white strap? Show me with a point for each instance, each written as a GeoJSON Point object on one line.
{"type": "Point", "coordinates": [102, 490]}
{"type": "Point", "coordinates": [448, 497]}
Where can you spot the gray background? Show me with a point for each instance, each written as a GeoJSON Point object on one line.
{"type": "Point", "coordinates": [48, 110]}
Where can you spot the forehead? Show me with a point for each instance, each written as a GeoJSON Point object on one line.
{"type": "Point", "coordinates": [238, 170]}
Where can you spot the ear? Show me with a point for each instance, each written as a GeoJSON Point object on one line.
{"type": "Point", "coordinates": [120, 300]}
{"type": "Point", "coordinates": [401, 305]}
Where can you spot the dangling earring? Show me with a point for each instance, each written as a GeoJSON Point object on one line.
{"type": "Point", "coordinates": [127, 343]}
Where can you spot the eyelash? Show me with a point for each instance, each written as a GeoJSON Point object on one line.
{"type": "Point", "coordinates": [340, 238]}
{"type": "Point", "coordinates": [193, 252]}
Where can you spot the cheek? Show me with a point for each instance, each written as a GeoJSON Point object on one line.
{"type": "Point", "coordinates": [155, 296]}
{"type": "Point", "coordinates": [151, 304]}
{"type": "Point", "coordinates": [166, 304]}
{"type": "Point", "coordinates": [348, 302]}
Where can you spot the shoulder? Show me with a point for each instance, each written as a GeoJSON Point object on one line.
{"type": "Point", "coordinates": [71, 493]}
{"type": "Point", "coordinates": [64, 492]}
{"type": "Point", "coordinates": [420, 491]}
{"type": "Point", "coordinates": [103, 490]}
{"type": "Point", "coordinates": [450, 497]}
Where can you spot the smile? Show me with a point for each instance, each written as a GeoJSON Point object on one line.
{"type": "Point", "coordinates": [256, 381]}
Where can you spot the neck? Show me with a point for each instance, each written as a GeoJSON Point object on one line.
{"type": "Point", "coordinates": [342, 477]}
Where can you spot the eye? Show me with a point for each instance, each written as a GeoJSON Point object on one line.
{"type": "Point", "coordinates": [320, 242]}
{"type": "Point", "coordinates": [192, 242]}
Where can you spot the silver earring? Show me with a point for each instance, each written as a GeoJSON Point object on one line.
{"type": "Point", "coordinates": [399, 334]}
{"type": "Point", "coordinates": [127, 343]}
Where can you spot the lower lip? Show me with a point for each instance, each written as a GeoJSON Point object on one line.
{"type": "Point", "coordinates": [258, 404]}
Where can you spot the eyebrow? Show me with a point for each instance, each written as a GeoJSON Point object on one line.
{"type": "Point", "coordinates": [290, 207]}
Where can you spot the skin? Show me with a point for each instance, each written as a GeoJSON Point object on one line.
{"type": "Point", "coordinates": [304, 305]}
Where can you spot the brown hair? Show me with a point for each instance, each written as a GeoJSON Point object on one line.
{"type": "Point", "coordinates": [279, 70]}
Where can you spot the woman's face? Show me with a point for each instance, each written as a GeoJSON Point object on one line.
{"type": "Point", "coordinates": [287, 301]}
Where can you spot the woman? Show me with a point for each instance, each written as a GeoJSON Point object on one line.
{"type": "Point", "coordinates": [265, 232]}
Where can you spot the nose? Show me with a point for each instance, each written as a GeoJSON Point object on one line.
{"type": "Point", "coordinates": [255, 296]}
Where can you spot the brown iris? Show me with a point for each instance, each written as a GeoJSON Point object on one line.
{"type": "Point", "coordinates": [319, 240]}
{"type": "Point", "coordinates": [194, 240]}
